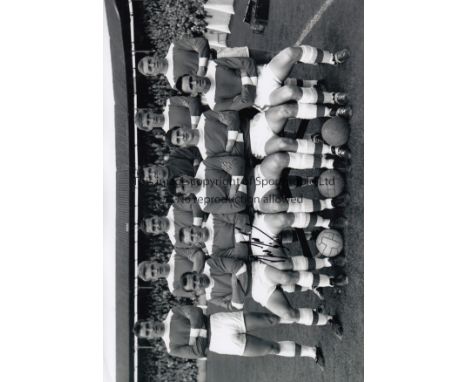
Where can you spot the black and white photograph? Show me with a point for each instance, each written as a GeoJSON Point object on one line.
{"type": "Point", "coordinates": [239, 134]}
{"type": "Point", "coordinates": [233, 191]}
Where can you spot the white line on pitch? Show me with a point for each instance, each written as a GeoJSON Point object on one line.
{"type": "Point", "coordinates": [314, 20]}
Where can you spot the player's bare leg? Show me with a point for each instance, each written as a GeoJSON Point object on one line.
{"type": "Point", "coordinates": [257, 347]}
{"type": "Point", "coordinates": [303, 278]}
{"type": "Point", "coordinates": [302, 263]}
{"type": "Point", "coordinates": [311, 95]}
{"type": "Point", "coordinates": [277, 116]}
{"type": "Point", "coordinates": [278, 222]}
{"type": "Point", "coordinates": [274, 164]}
{"type": "Point", "coordinates": [284, 61]}
{"type": "Point", "coordinates": [279, 305]}
{"type": "Point", "coordinates": [254, 321]}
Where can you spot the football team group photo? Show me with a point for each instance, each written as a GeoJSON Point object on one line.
{"type": "Point", "coordinates": [248, 125]}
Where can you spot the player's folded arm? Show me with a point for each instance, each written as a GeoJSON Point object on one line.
{"type": "Point", "coordinates": [197, 44]}
{"type": "Point", "coordinates": [195, 315]}
{"type": "Point", "coordinates": [242, 101]}
{"type": "Point", "coordinates": [222, 302]}
{"type": "Point", "coordinates": [240, 63]}
{"type": "Point", "coordinates": [233, 165]}
{"type": "Point", "coordinates": [237, 297]}
{"type": "Point", "coordinates": [189, 351]}
{"type": "Point", "coordinates": [230, 118]}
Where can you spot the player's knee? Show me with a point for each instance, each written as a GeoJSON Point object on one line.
{"type": "Point", "coordinates": [279, 161]}
{"type": "Point", "coordinates": [273, 207]}
{"type": "Point", "coordinates": [272, 319]}
{"type": "Point", "coordinates": [292, 53]}
{"type": "Point", "coordinates": [282, 266]}
{"type": "Point", "coordinates": [286, 111]}
{"type": "Point", "coordinates": [285, 144]}
{"type": "Point", "coordinates": [291, 92]}
{"type": "Point", "coordinates": [282, 220]}
{"type": "Point", "coordinates": [291, 314]}
{"type": "Point", "coordinates": [273, 348]}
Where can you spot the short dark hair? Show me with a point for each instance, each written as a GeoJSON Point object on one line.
{"type": "Point", "coordinates": [183, 283]}
{"type": "Point", "coordinates": [142, 224]}
{"type": "Point", "coordinates": [139, 118]}
{"type": "Point", "coordinates": [159, 133]}
{"type": "Point", "coordinates": [171, 187]}
{"type": "Point", "coordinates": [181, 234]}
{"type": "Point", "coordinates": [137, 327]}
{"type": "Point", "coordinates": [178, 84]}
{"type": "Point", "coordinates": [169, 135]}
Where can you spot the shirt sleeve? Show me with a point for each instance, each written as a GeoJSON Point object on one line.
{"type": "Point", "coordinates": [242, 101]}
{"type": "Point", "coordinates": [191, 103]}
{"type": "Point", "coordinates": [197, 213]}
{"type": "Point", "coordinates": [225, 264]}
{"type": "Point", "coordinates": [197, 350]}
{"type": "Point", "coordinates": [240, 220]}
{"type": "Point", "coordinates": [242, 223]}
{"type": "Point", "coordinates": [186, 153]}
{"type": "Point", "coordinates": [223, 302]}
{"type": "Point", "coordinates": [197, 44]}
{"type": "Point", "coordinates": [244, 63]}
{"type": "Point", "coordinates": [232, 121]}
{"type": "Point", "coordinates": [229, 118]}
{"type": "Point", "coordinates": [194, 314]}
{"type": "Point", "coordinates": [240, 252]}
{"type": "Point", "coordinates": [248, 91]}
{"type": "Point", "coordinates": [233, 165]}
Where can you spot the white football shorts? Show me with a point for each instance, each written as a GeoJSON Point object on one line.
{"type": "Point", "coordinates": [260, 134]}
{"type": "Point", "coordinates": [262, 187]}
{"type": "Point", "coordinates": [261, 238]}
{"type": "Point", "coordinates": [228, 333]}
{"type": "Point", "coordinates": [267, 83]}
{"type": "Point", "coordinates": [262, 287]}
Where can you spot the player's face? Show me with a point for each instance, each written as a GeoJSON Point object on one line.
{"type": "Point", "coordinates": [154, 271]}
{"type": "Point", "coordinates": [151, 120]}
{"type": "Point", "coordinates": [152, 66]}
{"type": "Point", "coordinates": [151, 329]}
{"type": "Point", "coordinates": [195, 84]}
{"type": "Point", "coordinates": [182, 136]}
{"type": "Point", "coordinates": [196, 282]}
{"type": "Point", "coordinates": [194, 235]}
{"type": "Point", "coordinates": [155, 174]}
{"type": "Point", "coordinates": [156, 225]}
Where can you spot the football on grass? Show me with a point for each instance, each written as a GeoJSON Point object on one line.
{"type": "Point", "coordinates": [330, 183]}
{"type": "Point", "coordinates": [329, 242]}
{"type": "Point", "coordinates": [335, 131]}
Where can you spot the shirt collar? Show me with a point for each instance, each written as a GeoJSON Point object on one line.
{"type": "Point", "coordinates": [171, 230]}
{"type": "Point", "coordinates": [167, 330]}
